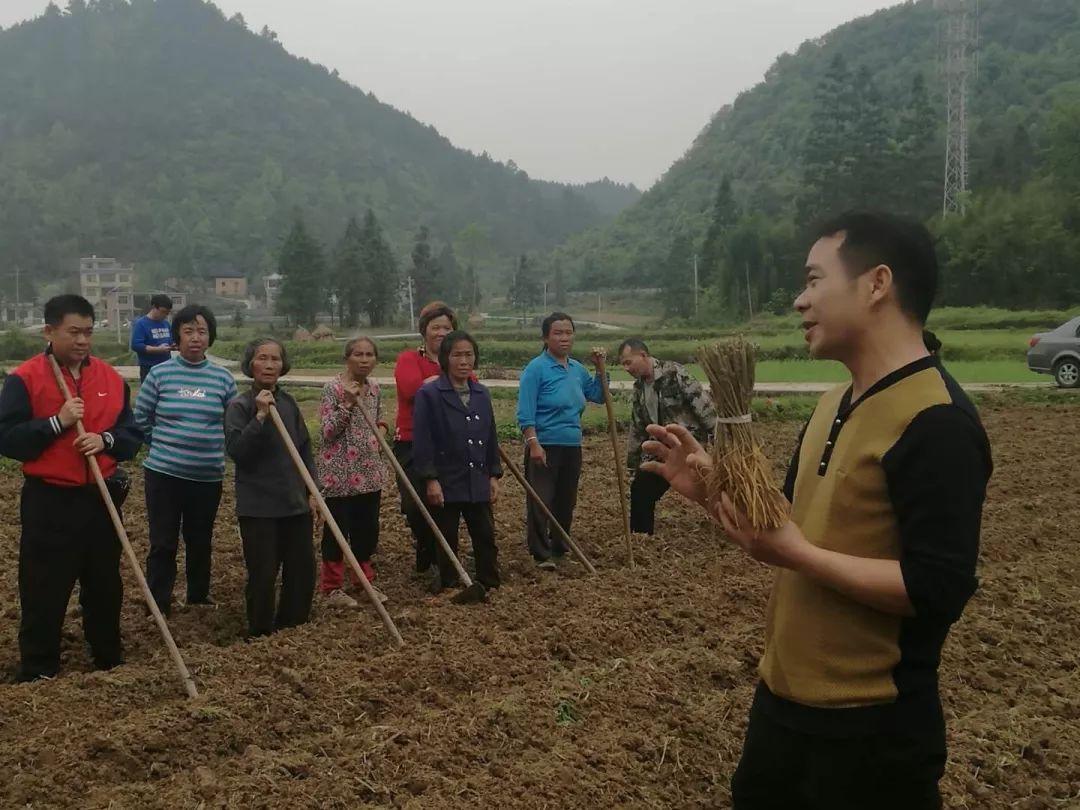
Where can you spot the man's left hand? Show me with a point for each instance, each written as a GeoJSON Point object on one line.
{"type": "Point", "coordinates": [90, 444]}
{"type": "Point", "coordinates": [494, 489]}
{"type": "Point", "coordinates": [599, 356]}
{"type": "Point", "coordinates": [785, 547]}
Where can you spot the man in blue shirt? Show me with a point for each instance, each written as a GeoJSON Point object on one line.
{"type": "Point", "coordinates": [151, 336]}
{"type": "Point", "coordinates": [551, 398]}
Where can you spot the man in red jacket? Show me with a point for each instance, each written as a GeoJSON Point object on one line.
{"type": "Point", "coordinates": [66, 531]}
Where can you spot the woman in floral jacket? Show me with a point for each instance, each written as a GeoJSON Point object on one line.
{"type": "Point", "coordinates": [351, 471]}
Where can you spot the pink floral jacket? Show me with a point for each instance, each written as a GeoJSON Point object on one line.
{"type": "Point", "coordinates": [348, 463]}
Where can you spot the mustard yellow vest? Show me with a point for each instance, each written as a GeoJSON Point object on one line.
{"type": "Point", "coordinates": [822, 648]}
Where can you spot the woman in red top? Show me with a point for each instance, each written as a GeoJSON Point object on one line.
{"type": "Point", "coordinates": [414, 367]}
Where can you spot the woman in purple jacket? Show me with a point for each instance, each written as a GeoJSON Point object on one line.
{"type": "Point", "coordinates": [456, 451]}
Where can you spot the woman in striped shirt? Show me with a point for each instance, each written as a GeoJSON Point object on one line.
{"type": "Point", "coordinates": [181, 410]}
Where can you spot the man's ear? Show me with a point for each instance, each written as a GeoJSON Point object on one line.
{"type": "Point", "coordinates": [880, 281]}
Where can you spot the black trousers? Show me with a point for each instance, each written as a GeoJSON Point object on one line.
{"type": "Point", "coordinates": [423, 539]}
{"type": "Point", "coordinates": [66, 536]}
{"type": "Point", "coordinates": [481, 522]}
{"type": "Point", "coordinates": [557, 486]}
{"type": "Point", "coordinates": [272, 545]}
{"type": "Point", "coordinates": [358, 518]}
{"type": "Point", "coordinates": [175, 505]}
{"type": "Point", "coordinates": [784, 769]}
{"type": "Point", "coordinates": [645, 490]}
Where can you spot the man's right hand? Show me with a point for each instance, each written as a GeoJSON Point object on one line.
{"type": "Point", "coordinates": [71, 412]}
{"type": "Point", "coordinates": [679, 459]}
{"type": "Point", "coordinates": [537, 453]}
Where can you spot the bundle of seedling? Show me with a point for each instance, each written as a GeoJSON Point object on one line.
{"type": "Point", "coordinates": [740, 467]}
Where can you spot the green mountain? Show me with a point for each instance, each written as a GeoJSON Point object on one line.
{"type": "Point", "coordinates": [160, 132]}
{"type": "Point", "coordinates": [857, 119]}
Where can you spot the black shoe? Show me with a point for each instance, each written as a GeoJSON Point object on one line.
{"type": "Point", "coordinates": [30, 677]}
{"type": "Point", "coordinates": [109, 663]}
{"type": "Point", "coordinates": [203, 600]}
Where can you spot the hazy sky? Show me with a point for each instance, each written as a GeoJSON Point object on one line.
{"type": "Point", "coordinates": [569, 89]}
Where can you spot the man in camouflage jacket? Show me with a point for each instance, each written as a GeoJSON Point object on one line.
{"type": "Point", "coordinates": [664, 393]}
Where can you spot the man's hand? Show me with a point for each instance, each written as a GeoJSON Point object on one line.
{"type": "Point", "coordinates": [263, 400]}
{"type": "Point", "coordinates": [679, 459]}
{"type": "Point", "coordinates": [434, 493]}
{"type": "Point", "coordinates": [598, 356]}
{"type": "Point", "coordinates": [494, 489]}
{"type": "Point", "coordinates": [785, 547]}
{"type": "Point", "coordinates": [537, 453]}
{"type": "Point", "coordinates": [90, 444]}
{"type": "Point", "coordinates": [71, 412]}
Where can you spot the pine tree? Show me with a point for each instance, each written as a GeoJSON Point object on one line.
{"type": "Point", "coordinates": [676, 277]}
{"type": "Point", "coordinates": [524, 291]}
{"type": "Point", "coordinates": [426, 272]}
{"type": "Point", "coordinates": [303, 269]}
{"type": "Point", "coordinates": [869, 148]}
{"type": "Point", "coordinates": [470, 296]}
{"type": "Point", "coordinates": [350, 276]}
{"type": "Point", "coordinates": [560, 285]}
{"type": "Point", "coordinates": [826, 159]}
{"type": "Point", "coordinates": [380, 272]}
{"type": "Point", "coordinates": [451, 288]}
{"type": "Point", "coordinates": [725, 214]}
{"type": "Point", "coordinates": [918, 168]}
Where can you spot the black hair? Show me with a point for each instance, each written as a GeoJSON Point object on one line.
{"type": "Point", "coordinates": [161, 301]}
{"type": "Point", "coordinates": [253, 348]}
{"type": "Point", "coordinates": [350, 344]}
{"type": "Point", "coordinates": [188, 315]}
{"type": "Point", "coordinates": [447, 346]}
{"type": "Point", "coordinates": [436, 309]}
{"type": "Point", "coordinates": [634, 344]}
{"type": "Point", "coordinates": [545, 326]}
{"type": "Point", "coordinates": [931, 341]}
{"type": "Point", "coordinates": [904, 245]}
{"type": "Point", "coordinates": [60, 306]}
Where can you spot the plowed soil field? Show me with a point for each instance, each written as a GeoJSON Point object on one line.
{"type": "Point", "coordinates": [630, 688]}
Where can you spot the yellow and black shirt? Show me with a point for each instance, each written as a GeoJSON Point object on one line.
{"type": "Point", "coordinates": [900, 474]}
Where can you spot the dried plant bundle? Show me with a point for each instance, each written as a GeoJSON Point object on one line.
{"type": "Point", "coordinates": [740, 467]}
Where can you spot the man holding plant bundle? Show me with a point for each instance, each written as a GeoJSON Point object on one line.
{"type": "Point", "coordinates": [664, 392]}
{"type": "Point", "coordinates": [878, 558]}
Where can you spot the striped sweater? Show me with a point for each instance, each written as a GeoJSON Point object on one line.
{"type": "Point", "coordinates": [181, 411]}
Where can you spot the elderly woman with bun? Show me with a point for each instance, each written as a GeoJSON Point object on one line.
{"type": "Point", "coordinates": [272, 504]}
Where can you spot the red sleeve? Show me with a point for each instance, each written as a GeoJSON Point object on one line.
{"type": "Point", "coordinates": [407, 375]}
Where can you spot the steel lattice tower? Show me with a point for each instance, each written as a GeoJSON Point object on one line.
{"type": "Point", "coordinates": [959, 47]}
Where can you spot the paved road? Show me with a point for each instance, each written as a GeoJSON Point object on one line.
{"type": "Point", "coordinates": [766, 389]}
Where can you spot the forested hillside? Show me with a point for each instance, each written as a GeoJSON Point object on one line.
{"type": "Point", "coordinates": [856, 118]}
{"type": "Point", "coordinates": [160, 132]}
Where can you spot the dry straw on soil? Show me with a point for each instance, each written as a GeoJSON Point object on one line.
{"type": "Point", "coordinates": [740, 467]}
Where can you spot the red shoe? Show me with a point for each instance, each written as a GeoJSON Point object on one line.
{"type": "Point", "coordinates": [368, 570]}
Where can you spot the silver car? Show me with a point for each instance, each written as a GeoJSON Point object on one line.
{"type": "Point", "coordinates": [1058, 353]}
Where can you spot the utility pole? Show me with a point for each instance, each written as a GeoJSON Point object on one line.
{"type": "Point", "coordinates": [412, 310]}
{"type": "Point", "coordinates": [695, 285]}
{"type": "Point", "coordinates": [545, 296]}
{"type": "Point", "coordinates": [597, 305]}
{"type": "Point", "coordinates": [749, 296]}
{"type": "Point", "coordinates": [959, 46]}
